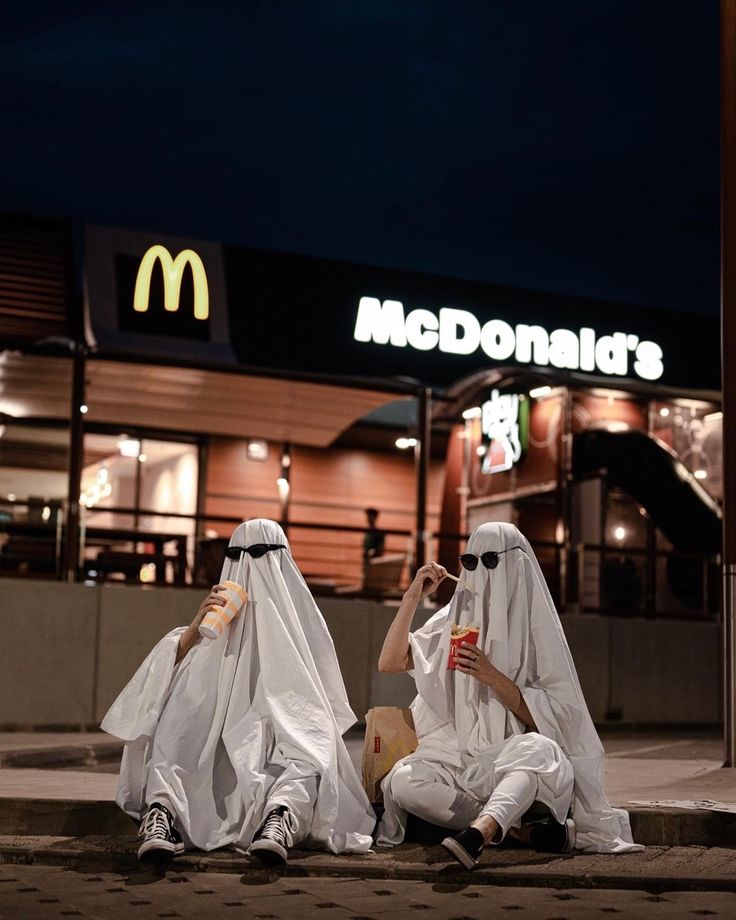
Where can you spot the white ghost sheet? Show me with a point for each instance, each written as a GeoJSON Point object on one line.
{"type": "Point", "coordinates": [220, 728]}
{"type": "Point", "coordinates": [462, 726]}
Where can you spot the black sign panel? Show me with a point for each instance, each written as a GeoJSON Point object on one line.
{"type": "Point", "coordinates": [163, 271]}
{"type": "Point", "coordinates": [300, 313]}
{"type": "Point", "coordinates": [282, 312]}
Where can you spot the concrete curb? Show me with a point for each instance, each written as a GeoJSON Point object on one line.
{"type": "Point", "coordinates": [63, 817]}
{"type": "Point", "coordinates": [681, 827]}
{"type": "Point", "coordinates": [71, 755]}
{"type": "Point", "coordinates": [669, 866]}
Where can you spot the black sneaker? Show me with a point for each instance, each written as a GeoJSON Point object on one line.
{"type": "Point", "coordinates": [466, 846]}
{"type": "Point", "coordinates": [273, 838]}
{"type": "Point", "coordinates": [161, 840]}
{"type": "Point", "coordinates": [552, 837]}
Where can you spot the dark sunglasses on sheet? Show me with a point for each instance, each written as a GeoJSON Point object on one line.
{"type": "Point", "coordinates": [255, 550]}
{"type": "Point", "coordinates": [489, 559]}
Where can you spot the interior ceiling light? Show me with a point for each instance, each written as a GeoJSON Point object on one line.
{"type": "Point", "coordinates": [257, 449]}
{"type": "Point", "coordinates": [129, 447]}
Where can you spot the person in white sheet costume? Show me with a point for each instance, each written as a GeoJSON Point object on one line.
{"type": "Point", "coordinates": [238, 740]}
{"type": "Point", "coordinates": [510, 726]}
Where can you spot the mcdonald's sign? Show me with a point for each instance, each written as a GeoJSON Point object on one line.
{"type": "Point", "coordinates": [195, 300]}
{"type": "Point", "coordinates": [173, 270]}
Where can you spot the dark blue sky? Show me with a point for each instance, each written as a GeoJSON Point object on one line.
{"type": "Point", "coordinates": [568, 145]}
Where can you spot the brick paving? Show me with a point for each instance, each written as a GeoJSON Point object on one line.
{"type": "Point", "coordinates": [45, 892]}
{"type": "Point", "coordinates": [656, 869]}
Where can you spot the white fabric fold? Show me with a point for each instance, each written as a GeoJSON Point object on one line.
{"type": "Point", "coordinates": [462, 725]}
{"type": "Point", "coordinates": [215, 735]}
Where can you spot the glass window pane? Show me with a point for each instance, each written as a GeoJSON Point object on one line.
{"type": "Point", "coordinates": [169, 473]}
{"type": "Point", "coordinates": [33, 486]}
{"type": "Point", "coordinates": [139, 498]}
{"type": "Point", "coordinates": [108, 479]}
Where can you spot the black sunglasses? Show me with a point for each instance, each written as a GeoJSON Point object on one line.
{"type": "Point", "coordinates": [489, 559]}
{"type": "Point", "coordinates": [255, 550]}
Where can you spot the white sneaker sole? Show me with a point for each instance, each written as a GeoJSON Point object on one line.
{"type": "Point", "coordinates": [268, 851]}
{"type": "Point", "coordinates": [460, 854]}
{"type": "Point", "coordinates": [155, 850]}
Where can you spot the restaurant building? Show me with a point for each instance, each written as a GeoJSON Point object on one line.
{"type": "Point", "coordinates": [155, 391]}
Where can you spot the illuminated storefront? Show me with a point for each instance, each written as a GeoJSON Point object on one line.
{"type": "Point", "coordinates": [204, 383]}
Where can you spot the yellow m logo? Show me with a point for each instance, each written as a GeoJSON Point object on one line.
{"type": "Point", "coordinates": [172, 269]}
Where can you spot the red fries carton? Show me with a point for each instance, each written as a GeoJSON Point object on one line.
{"type": "Point", "coordinates": [460, 634]}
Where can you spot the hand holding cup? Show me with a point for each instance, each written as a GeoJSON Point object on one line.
{"type": "Point", "coordinates": [222, 605]}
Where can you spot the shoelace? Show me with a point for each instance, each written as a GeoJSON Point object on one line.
{"type": "Point", "coordinates": [155, 824]}
{"type": "Point", "coordinates": [279, 827]}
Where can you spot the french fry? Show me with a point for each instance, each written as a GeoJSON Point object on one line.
{"type": "Point", "coordinates": [463, 584]}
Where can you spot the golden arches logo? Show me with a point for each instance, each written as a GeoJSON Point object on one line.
{"type": "Point", "coordinates": [173, 270]}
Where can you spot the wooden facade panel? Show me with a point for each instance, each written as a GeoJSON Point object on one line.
{"type": "Point", "coordinates": [34, 279]}
{"type": "Point", "coordinates": [231, 474]}
{"type": "Point", "coordinates": [237, 487]}
{"type": "Point", "coordinates": [238, 509]}
{"type": "Point", "coordinates": [331, 487]}
{"type": "Point", "coordinates": [217, 403]}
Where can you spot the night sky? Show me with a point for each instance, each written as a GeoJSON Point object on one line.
{"type": "Point", "coordinates": [567, 146]}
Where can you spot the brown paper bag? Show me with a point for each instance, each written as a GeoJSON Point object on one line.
{"type": "Point", "coordinates": [389, 736]}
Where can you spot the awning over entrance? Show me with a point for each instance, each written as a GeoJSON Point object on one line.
{"type": "Point", "coordinates": [186, 399]}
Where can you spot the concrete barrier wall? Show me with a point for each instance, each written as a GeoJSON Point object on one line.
{"type": "Point", "coordinates": [666, 672]}
{"type": "Point", "coordinates": [68, 650]}
{"type": "Point", "coordinates": [47, 663]}
{"type": "Point", "coordinates": [358, 629]}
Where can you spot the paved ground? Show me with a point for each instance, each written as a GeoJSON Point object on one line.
{"type": "Point", "coordinates": [44, 892]}
{"type": "Point", "coordinates": [676, 765]}
{"type": "Point", "coordinates": [655, 869]}
{"type": "Point", "coordinates": [58, 819]}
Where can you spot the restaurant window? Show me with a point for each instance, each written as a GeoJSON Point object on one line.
{"type": "Point", "coordinates": [694, 431]}
{"type": "Point", "coordinates": [139, 503]}
{"type": "Point", "coordinates": [33, 488]}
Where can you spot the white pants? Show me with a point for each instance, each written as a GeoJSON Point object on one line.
{"type": "Point", "coordinates": [428, 790]}
{"type": "Point", "coordinates": [295, 787]}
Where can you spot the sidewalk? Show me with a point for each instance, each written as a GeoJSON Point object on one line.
{"type": "Point", "coordinates": [49, 892]}
{"type": "Point", "coordinates": [67, 816]}
{"type": "Point", "coordinates": [656, 869]}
